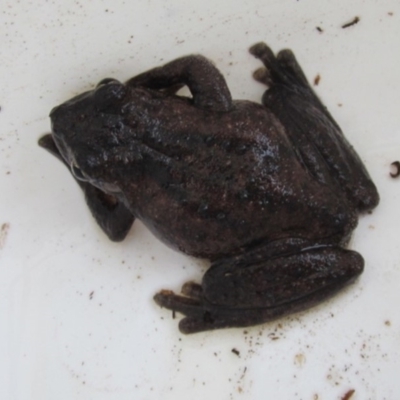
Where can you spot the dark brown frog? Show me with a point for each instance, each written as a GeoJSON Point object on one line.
{"type": "Point", "coordinates": [270, 192]}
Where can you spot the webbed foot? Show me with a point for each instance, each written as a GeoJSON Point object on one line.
{"type": "Point", "coordinates": [239, 295]}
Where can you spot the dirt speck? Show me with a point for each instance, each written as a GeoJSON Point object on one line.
{"type": "Point", "coordinates": [236, 351]}
{"type": "Point", "coordinates": [319, 29]}
{"type": "Point", "coordinates": [3, 233]}
{"type": "Point", "coordinates": [388, 323]}
{"type": "Point", "coordinates": [299, 359]}
{"type": "Point", "coordinates": [348, 395]}
{"type": "Point", "coordinates": [395, 169]}
{"type": "Point", "coordinates": [354, 21]}
{"type": "Point", "coordinates": [91, 295]}
{"type": "Point", "coordinates": [390, 13]}
{"type": "Point", "coordinates": [317, 79]}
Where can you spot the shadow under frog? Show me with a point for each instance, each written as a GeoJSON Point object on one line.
{"type": "Point", "coordinates": [270, 192]}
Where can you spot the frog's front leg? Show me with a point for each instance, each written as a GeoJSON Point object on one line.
{"type": "Point", "coordinates": [239, 295]}
{"type": "Point", "coordinates": [321, 145]}
{"type": "Point", "coordinates": [110, 213]}
{"type": "Point", "coordinates": [205, 82]}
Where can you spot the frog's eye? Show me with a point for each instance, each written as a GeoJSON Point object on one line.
{"type": "Point", "coordinates": [107, 93]}
{"type": "Point", "coordinates": [106, 81]}
{"type": "Point", "coordinates": [77, 172]}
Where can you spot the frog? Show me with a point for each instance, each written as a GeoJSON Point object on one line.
{"type": "Point", "coordinates": [268, 193]}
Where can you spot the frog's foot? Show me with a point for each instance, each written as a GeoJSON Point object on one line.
{"type": "Point", "coordinates": [201, 316]}
{"type": "Point", "coordinates": [320, 143]}
{"type": "Point", "coordinates": [234, 295]}
{"type": "Point", "coordinates": [111, 214]}
{"type": "Point", "coordinates": [282, 68]}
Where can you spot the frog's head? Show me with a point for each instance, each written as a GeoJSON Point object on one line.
{"type": "Point", "coordinates": [87, 128]}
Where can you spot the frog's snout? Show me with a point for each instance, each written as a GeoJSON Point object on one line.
{"type": "Point", "coordinates": [55, 115]}
{"type": "Point", "coordinates": [54, 111]}
{"type": "Point", "coordinates": [59, 116]}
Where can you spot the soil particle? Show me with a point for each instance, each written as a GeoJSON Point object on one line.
{"type": "Point", "coordinates": [396, 169]}
{"type": "Point", "coordinates": [354, 21]}
{"type": "Point", "coordinates": [3, 233]}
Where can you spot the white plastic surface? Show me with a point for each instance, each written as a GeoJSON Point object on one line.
{"type": "Point", "coordinates": [77, 320]}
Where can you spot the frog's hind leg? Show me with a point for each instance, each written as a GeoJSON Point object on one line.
{"type": "Point", "coordinates": [320, 143]}
{"type": "Point", "coordinates": [233, 295]}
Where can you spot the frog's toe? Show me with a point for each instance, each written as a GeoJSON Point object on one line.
{"type": "Point", "coordinates": [174, 302]}
{"type": "Point", "coordinates": [204, 322]}
{"type": "Point", "coordinates": [47, 142]}
{"type": "Point", "coordinates": [192, 289]}
{"type": "Point", "coordinates": [198, 316]}
{"type": "Point", "coordinates": [262, 75]}
{"type": "Point", "coordinates": [262, 51]}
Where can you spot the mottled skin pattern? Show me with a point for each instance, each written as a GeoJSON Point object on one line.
{"type": "Point", "coordinates": [270, 192]}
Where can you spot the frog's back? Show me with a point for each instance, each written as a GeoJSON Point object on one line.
{"type": "Point", "coordinates": [219, 182]}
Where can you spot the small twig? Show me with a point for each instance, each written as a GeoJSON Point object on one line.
{"type": "Point", "coordinates": [351, 23]}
